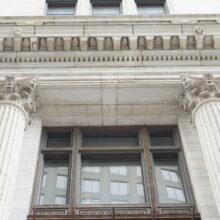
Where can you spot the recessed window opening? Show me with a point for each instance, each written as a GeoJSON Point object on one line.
{"type": "Point", "coordinates": [106, 7]}
{"type": "Point", "coordinates": [61, 7]}
{"type": "Point", "coordinates": [151, 7]}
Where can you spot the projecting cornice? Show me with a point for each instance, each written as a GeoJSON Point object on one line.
{"type": "Point", "coordinates": [109, 33]}
{"type": "Point", "coordinates": [54, 38]}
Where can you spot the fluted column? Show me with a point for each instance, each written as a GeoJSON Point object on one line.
{"type": "Point", "coordinates": [202, 99]}
{"type": "Point", "coordinates": [17, 101]}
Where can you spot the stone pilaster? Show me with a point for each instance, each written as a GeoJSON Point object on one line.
{"type": "Point", "coordinates": [202, 99]}
{"type": "Point", "coordinates": [17, 100]}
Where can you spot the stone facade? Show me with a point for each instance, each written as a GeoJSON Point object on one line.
{"type": "Point", "coordinates": [122, 70]}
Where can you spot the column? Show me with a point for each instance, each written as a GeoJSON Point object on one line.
{"type": "Point", "coordinates": [83, 7]}
{"type": "Point", "coordinates": [129, 7]}
{"type": "Point", "coordinates": [17, 100]}
{"type": "Point", "coordinates": [202, 99]}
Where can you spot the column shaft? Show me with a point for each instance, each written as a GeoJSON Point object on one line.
{"type": "Point", "coordinates": [207, 121]}
{"type": "Point", "coordinates": [12, 125]}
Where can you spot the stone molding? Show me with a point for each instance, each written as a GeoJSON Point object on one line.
{"type": "Point", "coordinates": [17, 41]}
{"type": "Point", "coordinates": [122, 19]}
{"type": "Point", "coordinates": [111, 57]}
{"type": "Point", "coordinates": [200, 90]}
{"type": "Point", "coordinates": [20, 93]}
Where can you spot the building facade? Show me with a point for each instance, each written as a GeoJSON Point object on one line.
{"type": "Point", "coordinates": [109, 109]}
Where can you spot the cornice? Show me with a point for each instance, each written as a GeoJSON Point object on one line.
{"type": "Point", "coordinates": [90, 36]}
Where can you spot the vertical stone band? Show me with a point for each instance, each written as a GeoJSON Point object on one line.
{"type": "Point", "coordinates": [202, 100]}
{"type": "Point", "coordinates": [17, 100]}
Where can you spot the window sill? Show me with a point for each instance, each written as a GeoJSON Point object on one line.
{"type": "Point", "coordinates": [116, 212]}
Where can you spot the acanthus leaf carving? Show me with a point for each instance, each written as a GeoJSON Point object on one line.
{"type": "Point", "coordinates": [21, 92]}
{"type": "Point", "coordinates": [197, 90]}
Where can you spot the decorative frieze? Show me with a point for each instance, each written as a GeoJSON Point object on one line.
{"type": "Point", "coordinates": [21, 42]}
{"type": "Point", "coordinates": [197, 90]}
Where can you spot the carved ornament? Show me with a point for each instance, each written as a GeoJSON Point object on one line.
{"type": "Point", "coordinates": [198, 90]}
{"type": "Point", "coordinates": [22, 93]}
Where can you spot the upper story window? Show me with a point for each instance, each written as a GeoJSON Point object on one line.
{"type": "Point", "coordinates": [106, 7]}
{"type": "Point", "coordinates": [61, 7]}
{"type": "Point", "coordinates": [151, 6]}
{"type": "Point", "coordinates": [126, 168]}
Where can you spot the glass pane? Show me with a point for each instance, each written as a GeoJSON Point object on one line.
{"type": "Point", "coordinates": [161, 138]}
{"type": "Point", "coordinates": [109, 138]}
{"type": "Point", "coordinates": [60, 11]}
{"type": "Point", "coordinates": [117, 182]}
{"type": "Point", "coordinates": [58, 139]}
{"type": "Point", "coordinates": [105, 10]}
{"type": "Point", "coordinates": [54, 183]}
{"type": "Point", "coordinates": [151, 10]}
{"type": "Point", "coordinates": [169, 181]}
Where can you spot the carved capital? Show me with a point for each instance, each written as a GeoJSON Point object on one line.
{"type": "Point", "coordinates": [22, 93]}
{"type": "Point", "coordinates": [199, 90]}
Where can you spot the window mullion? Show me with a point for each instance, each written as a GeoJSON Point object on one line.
{"type": "Point", "coordinates": [73, 168]}
{"type": "Point", "coordinates": [149, 169]}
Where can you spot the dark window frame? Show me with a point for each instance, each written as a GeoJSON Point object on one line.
{"type": "Point", "coordinates": [145, 150]}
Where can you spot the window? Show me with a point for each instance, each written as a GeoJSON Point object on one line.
{"type": "Point", "coordinates": [151, 6]}
{"type": "Point", "coordinates": [61, 7]}
{"type": "Point", "coordinates": [169, 179]}
{"type": "Point", "coordinates": [105, 7]}
{"type": "Point", "coordinates": [114, 182]}
{"type": "Point", "coordinates": [102, 167]}
{"type": "Point", "coordinates": [169, 170]}
{"type": "Point", "coordinates": [109, 138]}
{"type": "Point", "coordinates": [54, 180]}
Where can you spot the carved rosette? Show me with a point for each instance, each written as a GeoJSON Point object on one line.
{"type": "Point", "coordinates": [22, 93]}
{"type": "Point", "coordinates": [198, 90]}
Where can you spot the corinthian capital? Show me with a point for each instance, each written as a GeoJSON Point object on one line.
{"type": "Point", "coordinates": [20, 92]}
{"type": "Point", "coordinates": [197, 90]}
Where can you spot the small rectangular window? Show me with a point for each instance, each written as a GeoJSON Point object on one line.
{"type": "Point", "coordinates": [151, 6]}
{"type": "Point", "coordinates": [109, 138]}
{"type": "Point", "coordinates": [105, 7]}
{"type": "Point", "coordinates": [54, 182]}
{"type": "Point", "coordinates": [60, 7]}
{"type": "Point", "coordinates": [160, 137]}
{"type": "Point", "coordinates": [119, 181]}
{"type": "Point", "coordinates": [58, 139]}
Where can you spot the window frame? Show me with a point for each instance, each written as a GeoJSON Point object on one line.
{"type": "Point", "coordinates": [76, 150]}
{"type": "Point", "coordinates": [181, 162]}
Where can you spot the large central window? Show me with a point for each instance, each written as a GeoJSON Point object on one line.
{"type": "Point", "coordinates": [106, 180]}
{"type": "Point", "coordinates": [119, 167]}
